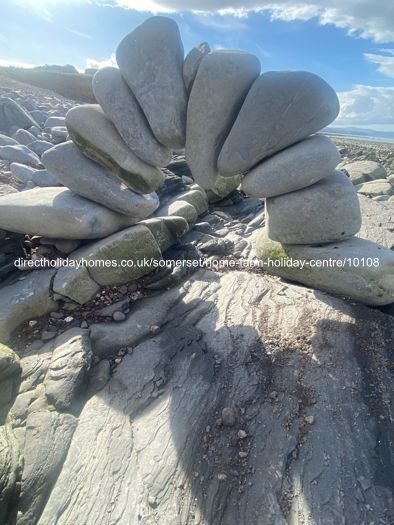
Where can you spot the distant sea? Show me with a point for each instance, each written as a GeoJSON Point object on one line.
{"type": "Point", "coordinates": [361, 138]}
{"type": "Point", "coordinates": [366, 135]}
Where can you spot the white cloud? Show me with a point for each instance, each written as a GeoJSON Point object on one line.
{"type": "Point", "coordinates": [97, 64]}
{"type": "Point", "coordinates": [366, 105]}
{"type": "Point", "coordinates": [368, 18]}
{"type": "Point", "coordinates": [385, 63]}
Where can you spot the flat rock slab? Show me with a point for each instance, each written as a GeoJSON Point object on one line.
{"type": "Point", "coordinates": [120, 105]}
{"type": "Point", "coordinates": [96, 136]}
{"type": "Point", "coordinates": [292, 169]}
{"type": "Point", "coordinates": [150, 59]}
{"type": "Point", "coordinates": [281, 108]}
{"type": "Point", "coordinates": [328, 211]}
{"type": "Point", "coordinates": [356, 268]}
{"type": "Point", "coordinates": [151, 446]}
{"type": "Point", "coordinates": [92, 181]}
{"type": "Point", "coordinates": [58, 213]}
{"type": "Point", "coordinates": [222, 82]}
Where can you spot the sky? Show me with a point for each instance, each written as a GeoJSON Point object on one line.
{"type": "Point", "coordinates": [350, 43]}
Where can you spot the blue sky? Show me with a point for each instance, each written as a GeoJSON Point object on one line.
{"type": "Point", "coordinates": [344, 41]}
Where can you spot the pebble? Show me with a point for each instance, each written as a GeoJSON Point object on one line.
{"type": "Point", "coordinates": [228, 417]}
{"type": "Point", "coordinates": [118, 316]}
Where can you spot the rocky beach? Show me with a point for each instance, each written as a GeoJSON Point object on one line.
{"type": "Point", "coordinates": [218, 382]}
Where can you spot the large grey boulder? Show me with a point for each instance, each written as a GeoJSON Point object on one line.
{"type": "Point", "coordinates": [357, 269]}
{"type": "Point", "coordinates": [92, 181]}
{"type": "Point", "coordinates": [281, 108]}
{"type": "Point", "coordinates": [12, 114]}
{"type": "Point", "coordinates": [150, 59]}
{"type": "Point", "coordinates": [222, 82]}
{"type": "Point", "coordinates": [288, 364]}
{"type": "Point", "coordinates": [192, 63]}
{"type": "Point", "coordinates": [21, 154]}
{"type": "Point", "coordinates": [132, 253]}
{"type": "Point", "coordinates": [292, 169]}
{"type": "Point", "coordinates": [120, 105]}
{"type": "Point", "coordinates": [24, 300]}
{"type": "Point", "coordinates": [96, 136]}
{"type": "Point", "coordinates": [58, 213]}
{"type": "Point", "coordinates": [328, 211]}
{"type": "Point", "coordinates": [364, 170]}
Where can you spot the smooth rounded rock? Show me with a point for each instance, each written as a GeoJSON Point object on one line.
{"type": "Point", "coordinates": [21, 172]}
{"type": "Point", "coordinates": [222, 82]}
{"type": "Point", "coordinates": [96, 136]}
{"type": "Point", "coordinates": [5, 140]}
{"type": "Point", "coordinates": [328, 211]}
{"type": "Point", "coordinates": [358, 269]}
{"type": "Point", "coordinates": [13, 115]}
{"type": "Point", "coordinates": [166, 230]}
{"type": "Point", "coordinates": [364, 170]}
{"type": "Point", "coordinates": [21, 154]}
{"type": "Point", "coordinates": [90, 180]}
{"type": "Point", "coordinates": [150, 59]}
{"type": "Point", "coordinates": [281, 108]}
{"type": "Point", "coordinates": [292, 169]}
{"type": "Point", "coordinates": [178, 208]}
{"type": "Point", "coordinates": [23, 137]}
{"type": "Point", "coordinates": [39, 146]}
{"type": "Point", "coordinates": [192, 63]}
{"type": "Point", "coordinates": [58, 213]}
{"type": "Point", "coordinates": [122, 108]}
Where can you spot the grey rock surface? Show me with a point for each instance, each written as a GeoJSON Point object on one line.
{"type": "Point", "coordinates": [39, 146]}
{"type": "Point", "coordinates": [156, 426]}
{"type": "Point", "coordinates": [293, 168]}
{"type": "Point", "coordinates": [5, 140]}
{"type": "Point", "coordinates": [58, 213]}
{"type": "Point", "coordinates": [281, 108]}
{"type": "Point", "coordinates": [150, 59]}
{"type": "Point", "coordinates": [328, 211]}
{"type": "Point", "coordinates": [377, 222]}
{"type": "Point", "coordinates": [376, 188]}
{"type": "Point", "coordinates": [120, 105]}
{"type": "Point", "coordinates": [92, 181]}
{"type": "Point", "coordinates": [24, 300]}
{"type": "Point", "coordinates": [221, 84]}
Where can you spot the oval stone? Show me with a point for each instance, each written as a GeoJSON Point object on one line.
{"type": "Point", "coordinates": [120, 105]}
{"type": "Point", "coordinates": [90, 180]}
{"type": "Point", "coordinates": [95, 135]}
{"type": "Point", "coordinates": [282, 108]}
{"type": "Point", "coordinates": [292, 169]}
{"type": "Point", "coordinates": [150, 59]}
{"type": "Point", "coordinates": [328, 211]}
{"type": "Point", "coordinates": [222, 82]}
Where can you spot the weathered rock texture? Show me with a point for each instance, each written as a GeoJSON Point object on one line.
{"type": "Point", "coordinates": [257, 402]}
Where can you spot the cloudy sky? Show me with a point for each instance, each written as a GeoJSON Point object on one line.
{"type": "Point", "coordinates": [350, 43]}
